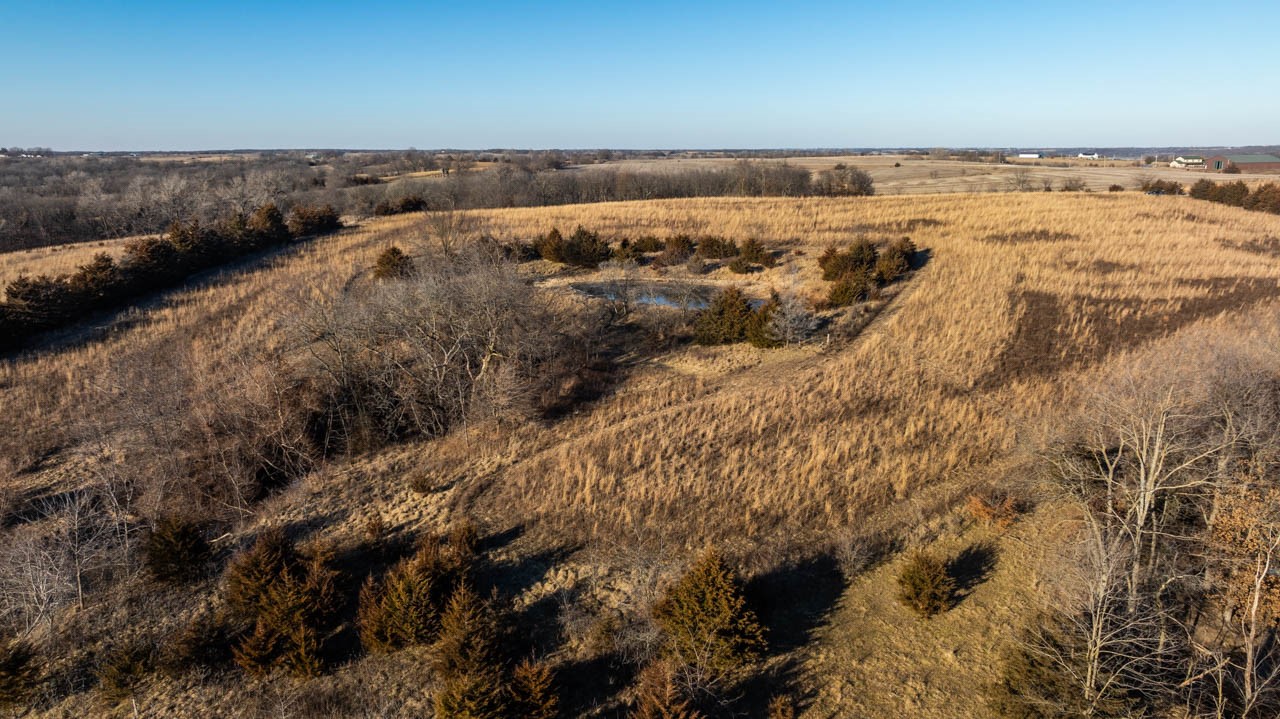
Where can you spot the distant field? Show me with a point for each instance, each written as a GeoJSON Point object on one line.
{"type": "Point", "coordinates": [917, 175]}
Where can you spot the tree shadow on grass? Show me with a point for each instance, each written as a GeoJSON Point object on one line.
{"type": "Point", "coordinates": [971, 567]}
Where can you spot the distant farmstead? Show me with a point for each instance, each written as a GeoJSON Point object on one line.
{"type": "Point", "coordinates": [1028, 155]}
{"type": "Point", "coordinates": [1088, 156]}
{"type": "Point", "coordinates": [1188, 162]}
{"type": "Point", "coordinates": [1244, 163]}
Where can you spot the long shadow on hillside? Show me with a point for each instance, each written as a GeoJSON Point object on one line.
{"type": "Point", "coordinates": [791, 601]}
{"type": "Point", "coordinates": [1037, 346]}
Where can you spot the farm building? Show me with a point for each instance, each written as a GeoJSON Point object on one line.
{"type": "Point", "coordinates": [1188, 162]}
{"type": "Point", "coordinates": [1087, 156]}
{"type": "Point", "coordinates": [1028, 155]}
{"type": "Point", "coordinates": [1244, 163]}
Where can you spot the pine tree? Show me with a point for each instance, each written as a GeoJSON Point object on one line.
{"type": "Point", "coordinates": [175, 550]}
{"type": "Point", "coordinates": [705, 620]}
{"type": "Point", "coordinates": [925, 586]}
{"type": "Point", "coordinates": [533, 691]}
{"type": "Point", "coordinates": [657, 696]}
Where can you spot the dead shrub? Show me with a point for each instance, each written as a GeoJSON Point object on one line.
{"type": "Point", "coordinates": [993, 510]}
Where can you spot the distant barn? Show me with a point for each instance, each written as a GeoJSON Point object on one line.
{"type": "Point", "coordinates": [1244, 163]}
{"type": "Point", "coordinates": [1188, 162]}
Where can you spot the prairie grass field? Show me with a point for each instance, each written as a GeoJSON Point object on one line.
{"type": "Point", "coordinates": [777, 457]}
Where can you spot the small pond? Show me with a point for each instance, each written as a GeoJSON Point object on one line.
{"type": "Point", "coordinates": [679, 295]}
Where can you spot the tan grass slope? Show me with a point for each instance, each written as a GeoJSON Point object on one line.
{"type": "Point", "coordinates": [784, 447]}
{"type": "Point", "coordinates": [1018, 287]}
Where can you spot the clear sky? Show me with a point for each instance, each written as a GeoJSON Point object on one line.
{"type": "Point", "coordinates": [181, 74]}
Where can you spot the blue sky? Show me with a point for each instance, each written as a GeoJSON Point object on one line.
{"type": "Point", "coordinates": [208, 75]}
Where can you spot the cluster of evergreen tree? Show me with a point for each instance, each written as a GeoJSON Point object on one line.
{"type": "Point", "coordinates": [858, 270]}
{"type": "Point", "coordinates": [35, 304]}
{"type": "Point", "coordinates": [1264, 198]}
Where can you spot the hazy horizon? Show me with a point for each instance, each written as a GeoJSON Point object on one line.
{"type": "Point", "coordinates": [146, 76]}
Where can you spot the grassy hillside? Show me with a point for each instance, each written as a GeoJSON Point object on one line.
{"type": "Point", "coordinates": [782, 458]}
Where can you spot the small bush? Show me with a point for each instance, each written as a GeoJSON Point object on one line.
{"type": "Point", "coordinates": [753, 251]}
{"type": "Point", "coordinates": [1116, 188]}
{"type": "Point", "coordinates": [405, 608]}
{"type": "Point", "coordinates": [781, 707]}
{"type": "Point", "coordinates": [717, 248]}
{"type": "Point", "coordinates": [925, 586]}
{"type": "Point", "coordinates": [854, 287]}
{"type": "Point", "coordinates": [740, 266]}
{"type": "Point", "coordinates": [705, 620]}
{"type": "Point", "coordinates": [992, 511]}
{"type": "Point", "coordinates": [308, 220]}
{"type": "Point", "coordinates": [861, 256]}
{"type": "Point", "coordinates": [583, 248]}
{"type": "Point", "coordinates": [19, 674]}
{"type": "Point", "coordinates": [675, 251]}
{"type": "Point", "coordinates": [1162, 187]}
{"type": "Point", "coordinates": [175, 550]}
{"type": "Point", "coordinates": [251, 573]}
{"type": "Point", "coordinates": [204, 643]}
{"type": "Point", "coordinates": [648, 243]}
{"type": "Point", "coordinates": [762, 328]}
{"type": "Point", "coordinates": [725, 320]}
{"type": "Point", "coordinates": [267, 226]}
{"type": "Point", "coordinates": [410, 203]}
{"type": "Point", "coordinates": [586, 249]}
{"type": "Point", "coordinates": [122, 671]}
{"type": "Point", "coordinates": [393, 264]}
{"type": "Point", "coordinates": [551, 246]}
{"type": "Point", "coordinates": [289, 601]}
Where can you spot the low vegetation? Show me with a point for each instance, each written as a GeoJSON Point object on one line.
{"type": "Point", "coordinates": [362, 413]}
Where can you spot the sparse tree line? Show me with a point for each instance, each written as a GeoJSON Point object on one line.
{"type": "Point", "coordinates": [33, 304]}
{"type": "Point", "coordinates": [511, 185]}
{"type": "Point", "coordinates": [55, 200]}
{"type": "Point", "coordinates": [1167, 601]}
{"type": "Point", "coordinates": [1263, 198]}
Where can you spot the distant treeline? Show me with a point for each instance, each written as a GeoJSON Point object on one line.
{"type": "Point", "coordinates": [54, 200]}
{"type": "Point", "coordinates": [35, 304]}
{"type": "Point", "coordinates": [511, 185]}
{"type": "Point", "coordinates": [1264, 198]}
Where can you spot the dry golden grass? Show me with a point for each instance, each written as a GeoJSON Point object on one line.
{"type": "Point", "coordinates": [54, 260]}
{"type": "Point", "coordinates": [744, 447]}
{"type": "Point", "coordinates": [1019, 286]}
